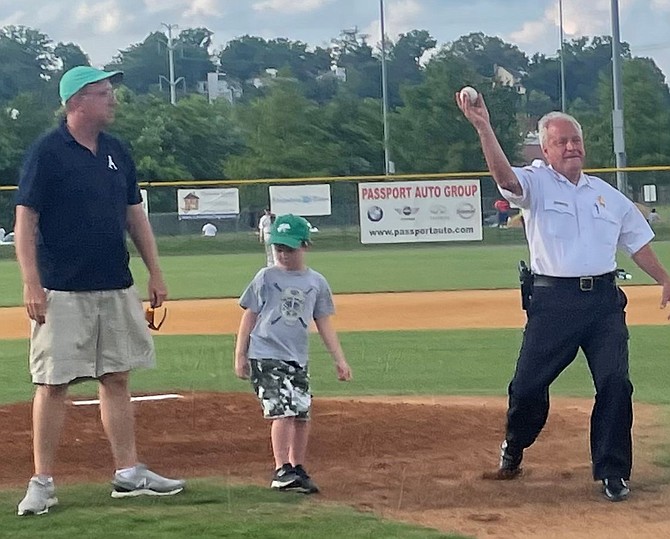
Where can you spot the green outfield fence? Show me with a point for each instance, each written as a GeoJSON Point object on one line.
{"type": "Point", "coordinates": [340, 229]}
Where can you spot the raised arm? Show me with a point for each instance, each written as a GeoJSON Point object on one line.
{"type": "Point", "coordinates": [496, 160]}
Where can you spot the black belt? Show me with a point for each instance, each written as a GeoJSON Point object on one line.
{"type": "Point", "coordinates": [585, 284]}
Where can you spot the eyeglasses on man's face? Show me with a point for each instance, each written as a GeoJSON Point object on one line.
{"type": "Point", "coordinates": [108, 93]}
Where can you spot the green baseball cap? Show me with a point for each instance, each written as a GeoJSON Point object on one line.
{"type": "Point", "coordinates": [76, 78]}
{"type": "Point", "coordinates": [290, 230]}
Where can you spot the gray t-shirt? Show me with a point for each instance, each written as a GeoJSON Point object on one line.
{"type": "Point", "coordinates": [286, 302]}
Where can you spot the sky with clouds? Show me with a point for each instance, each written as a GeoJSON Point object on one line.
{"type": "Point", "coordinates": [103, 27]}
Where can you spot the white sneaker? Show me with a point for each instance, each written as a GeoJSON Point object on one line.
{"type": "Point", "coordinates": [145, 482]}
{"type": "Point", "coordinates": [38, 499]}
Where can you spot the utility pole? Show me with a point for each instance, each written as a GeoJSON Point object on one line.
{"type": "Point", "coordinates": [617, 113]}
{"type": "Point", "coordinates": [171, 81]}
{"type": "Point", "coordinates": [385, 105]}
{"type": "Point", "coordinates": [560, 26]}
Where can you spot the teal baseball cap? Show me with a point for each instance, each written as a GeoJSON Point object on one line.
{"type": "Point", "coordinates": [290, 230]}
{"type": "Point", "coordinates": [76, 78]}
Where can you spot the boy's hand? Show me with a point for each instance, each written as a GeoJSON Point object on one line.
{"type": "Point", "coordinates": [242, 369]}
{"type": "Point", "coordinates": [343, 371]}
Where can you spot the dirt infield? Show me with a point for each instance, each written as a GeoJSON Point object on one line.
{"type": "Point", "coordinates": [464, 309]}
{"type": "Point", "coordinates": [415, 459]}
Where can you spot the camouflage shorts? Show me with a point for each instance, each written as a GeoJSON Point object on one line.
{"type": "Point", "coordinates": [282, 387]}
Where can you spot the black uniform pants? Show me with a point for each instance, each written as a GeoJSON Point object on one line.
{"type": "Point", "coordinates": [561, 319]}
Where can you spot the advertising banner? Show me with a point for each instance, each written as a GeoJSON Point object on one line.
{"type": "Point", "coordinates": [302, 200]}
{"type": "Point", "coordinates": [420, 211]}
{"type": "Point", "coordinates": [208, 203]}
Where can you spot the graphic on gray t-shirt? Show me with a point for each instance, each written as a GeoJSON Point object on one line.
{"type": "Point", "coordinates": [292, 306]}
{"type": "Point", "coordinates": [286, 302]}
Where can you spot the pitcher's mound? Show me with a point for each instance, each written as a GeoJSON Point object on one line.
{"type": "Point", "coordinates": [419, 460]}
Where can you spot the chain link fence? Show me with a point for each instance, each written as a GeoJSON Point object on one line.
{"type": "Point", "coordinates": [340, 229]}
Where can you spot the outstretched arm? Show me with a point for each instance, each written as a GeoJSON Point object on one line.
{"type": "Point", "coordinates": [646, 259]}
{"type": "Point", "coordinates": [496, 160]}
{"type": "Point", "coordinates": [332, 343]}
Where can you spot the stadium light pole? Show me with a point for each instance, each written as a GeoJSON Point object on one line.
{"type": "Point", "coordinates": [562, 59]}
{"type": "Point", "coordinates": [617, 112]}
{"type": "Point", "coordinates": [171, 81]}
{"type": "Point", "coordinates": [385, 105]}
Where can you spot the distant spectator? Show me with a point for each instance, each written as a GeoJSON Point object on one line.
{"type": "Point", "coordinates": [653, 217]}
{"type": "Point", "coordinates": [312, 228]}
{"type": "Point", "coordinates": [502, 207]}
{"type": "Point", "coordinates": [209, 230]}
{"type": "Point", "coordinates": [6, 239]}
{"type": "Point", "coordinates": [264, 228]}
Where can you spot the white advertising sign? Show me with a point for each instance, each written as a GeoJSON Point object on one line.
{"type": "Point", "coordinates": [300, 199]}
{"type": "Point", "coordinates": [208, 203]}
{"type": "Point", "coordinates": [649, 193]}
{"type": "Point", "coordinates": [145, 201]}
{"type": "Point", "coordinates": [420, 211]}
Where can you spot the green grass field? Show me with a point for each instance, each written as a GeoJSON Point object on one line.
{"type": "Point", "coordinates": [395, 269]}
{"type": "Point", "coordinates": [474, 362]}
{"type": "Point", "coordinates": [208, 510]}
{"type": "Point", "coordinates": [455, 362]}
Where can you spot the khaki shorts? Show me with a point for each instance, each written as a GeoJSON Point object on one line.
{"type": "Point", "coordinates": [282, 387]}
{"type": "Point", "coordinates": [88, 334]}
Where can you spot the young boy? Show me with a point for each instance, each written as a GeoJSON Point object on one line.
{"type": "Point", "coordinates": [272, 344]}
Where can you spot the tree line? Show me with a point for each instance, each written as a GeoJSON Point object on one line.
{"type": "Point", "coordinates": [304, 120]}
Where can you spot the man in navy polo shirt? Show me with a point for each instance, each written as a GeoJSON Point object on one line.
{"type": "Point", "coordinates": [77, 197]}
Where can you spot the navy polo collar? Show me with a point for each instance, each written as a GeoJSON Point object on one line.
{"type": "Point", "coordinates": [69, 139]}
{"type": "Point", "coordinates": [65, 132]}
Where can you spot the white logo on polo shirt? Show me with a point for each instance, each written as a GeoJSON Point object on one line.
{"type": "Point", "coordinates": [110, 163]}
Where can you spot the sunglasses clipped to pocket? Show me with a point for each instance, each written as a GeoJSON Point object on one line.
{"type": "Point", "coordinates": [150, 317]}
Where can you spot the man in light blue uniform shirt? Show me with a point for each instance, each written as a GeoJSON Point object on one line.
{"type": "Point", "coordinates": [574, 224]}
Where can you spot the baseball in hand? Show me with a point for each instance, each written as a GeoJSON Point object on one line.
{"type": "Point", "coordinates": [469, 93]}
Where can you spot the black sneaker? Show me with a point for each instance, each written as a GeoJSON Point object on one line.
{"type": "Point", "coordinates": [510, 463]}
{"type": "Point", "coordinates": [615, 489]}
{"type": "Point", "coordinates": [285, 478]}
{"type": "Point", "coordinates": [307, 486]}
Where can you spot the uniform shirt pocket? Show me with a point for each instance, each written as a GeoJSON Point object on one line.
{"type": "Point", "coordinates": [561, 219]}
{"type": "Point", "coordinates": [606, 225]}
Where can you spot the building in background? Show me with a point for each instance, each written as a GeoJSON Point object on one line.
{"type": "Point", "coordinates": [218, 86]}
{"type": "Point", "coordinates": [503, 76]}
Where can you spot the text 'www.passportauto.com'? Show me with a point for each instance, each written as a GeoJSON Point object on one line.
{"type": "Point", "coordinates": [416, 232]}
